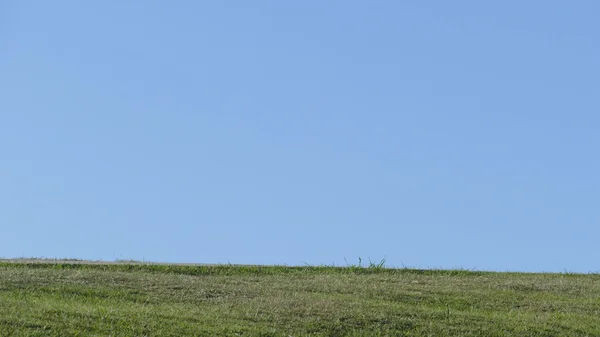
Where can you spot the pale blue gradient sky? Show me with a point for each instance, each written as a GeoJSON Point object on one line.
{"type": "Point", "coordinates": [436, 134]}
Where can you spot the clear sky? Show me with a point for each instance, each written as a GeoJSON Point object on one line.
{"type": "Point", "coordinates": [435, 134]}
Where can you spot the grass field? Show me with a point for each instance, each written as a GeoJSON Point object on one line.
{"type": "Point", "coordinates": [68, 299]}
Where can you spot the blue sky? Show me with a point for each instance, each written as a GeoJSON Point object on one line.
{"type": "Point", "coordinates": [434, 134]}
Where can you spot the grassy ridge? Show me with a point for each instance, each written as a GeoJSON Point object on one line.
{"type": "Point", "coordinates": [74, 299]}
{"type": "Point", "coordinates": [232, 270]}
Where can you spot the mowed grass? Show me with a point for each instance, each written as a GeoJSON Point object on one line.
{"type": "Point", "coordinates": [67, 299]}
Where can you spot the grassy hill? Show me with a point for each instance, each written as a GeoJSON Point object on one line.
{"type": "Point", "coordinates": [64, 298]}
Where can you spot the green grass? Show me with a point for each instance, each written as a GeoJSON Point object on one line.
{"type": "Point", "coordinates": [63, 298]}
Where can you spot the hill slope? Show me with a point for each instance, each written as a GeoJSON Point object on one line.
{"type": "Point", "coordinates": [70, 299]}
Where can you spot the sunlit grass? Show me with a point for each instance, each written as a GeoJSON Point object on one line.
{"type": "Point", "coordinates": [68, 298]}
